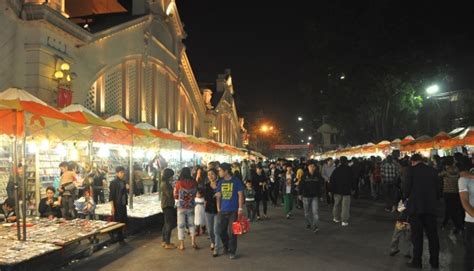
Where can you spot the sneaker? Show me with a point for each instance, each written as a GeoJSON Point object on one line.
{"type": "Point", "coordinates": [308, 227]}
{"type": "Point", "coordinates": [258, 218]}
{"type": "Point", "coordinates": [345, 224]}
{"type": "Point", "coordinates": [395, 252]}
{"type": "Point", "coordinates": [288, 216]}
{"type": "Point", "coordinates": [232, 256]}
{"type": "Point", "coordinates": [315, 229]}
{"type": "Point", "coordinates": [336, 221]}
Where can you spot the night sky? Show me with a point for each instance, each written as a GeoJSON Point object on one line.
{"type": "Point", "coordinates": [265, 45]}
{"type": "Point", "coordinates": [262, 46]}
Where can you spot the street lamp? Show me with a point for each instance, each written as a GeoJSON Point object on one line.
{"type": "Point", "coordinates": [309, 137]}
{"type": "Point", "coordinates": [300, 119]}
{"type": "Point", "coordinates": [301, 129]}
{"type": "Point", "coordinates": [264, 128]}
{"type": "Point", "coordinates": [433, 89]}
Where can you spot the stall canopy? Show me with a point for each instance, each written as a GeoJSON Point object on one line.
{"type": "Point", "coordinates": [101, 131]}
{"type": "Point", "coordinates": [23, 114]}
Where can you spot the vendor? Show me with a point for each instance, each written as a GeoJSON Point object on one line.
{"type": "Point", "coordinates": [49, 207]}
{"type": "Point", "coordinates": [8, 210]}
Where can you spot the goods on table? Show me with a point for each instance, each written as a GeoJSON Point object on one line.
{"type": "Point", "coordinates": [14, 251]}
{"type": "Point", "coordinates": [143, 206]}
{"type": "Point", "coordinates": [57, 231]}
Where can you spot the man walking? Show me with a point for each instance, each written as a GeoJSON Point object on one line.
{"type": "Point", "coordinates": [118, 199]}
{"type": "Point", "coordinates": [342, 180]}
{"type": "Point", "coordinates": [328, 169]}
{"type": "Point", "coordinates": [310, 188]}
{"type": "Point", "coordinates": [230, 201]}
{"type": "Point", "coordinates": [422, 193]}
{"type": "Point", "coordinates": [390, 173]}
{"type": "Point", "coordinates": [274, 176]}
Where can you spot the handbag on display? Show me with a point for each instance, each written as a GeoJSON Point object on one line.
{"type": "Point", "coordinates": [241, 226]}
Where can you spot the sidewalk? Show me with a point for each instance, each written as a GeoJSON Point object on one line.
{"type": "Point", "coordinates": [281, 244]}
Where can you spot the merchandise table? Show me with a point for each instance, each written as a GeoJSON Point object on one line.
{"type": "Point", "coordinates": [58, 231]}
{"type": "Point", "coordinates": [143, 206]}
{"type": "Point", "coordinates": [15, 252]}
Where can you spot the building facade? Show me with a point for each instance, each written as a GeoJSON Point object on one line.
{"type": "Point", "coordinates": [134, 64]}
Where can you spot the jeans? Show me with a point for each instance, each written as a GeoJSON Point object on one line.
{"type": "Point", "coordinates": [468, 246]}
{"type": "Point", "coordinates": [274, 193]}
{"type": "Point", "coordinates": [213, 228]}
{"type": "Point", "coordinates": [121, 216]}
{"type": "Point", "coordinates": [403, 234]}
{"type": "Point", "coordinates": [374, 189]}
{"type": "Point", "coordinates": [148, 187]}
{"type": "Point", "coordinates": [453, 210]}
{"type": "Point", "coordinates": [68, 210]}
{"type": "Point", "coordinates": [185, 218]}
{"type": "Point", "coordinates": [229, 240]}
{"type": "Point", "coordinates": [168, 226]}
{"type": "Point", "coordinates": [391, 194]}
{"type": "Point", "coordinates": [251, 209]}
{"type": "Point", "coordinates": [288, 202]}
{"type": "Point", "coordinates": [98, 195]}
{"type": "Point", "coordinates": [329, 195]}
{"type": "Point", "coordinates": [311, 211]}
{"type": "Point", "coordinates": [265, 206]}
{"type": "Point", "coordinates": [424, 223]}
{"type": "Point", "coordinates": [343, 201]}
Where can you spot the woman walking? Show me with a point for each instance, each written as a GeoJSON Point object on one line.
{"type": "Point", "coordinates": [184, 193]}
{"type": "Point", "coordinates": [260, 184]}
{"type": "Point", "coordinates": [211, 212]}
{"type": "Point", "coordinates": [167, 204]}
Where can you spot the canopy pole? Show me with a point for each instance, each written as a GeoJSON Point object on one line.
{"type": "Point", "coordinates": [25, 183]}
{"type": "Point", "coordinates": [15, 179]}
{"type": "Point", "coordinates": [131, 174]}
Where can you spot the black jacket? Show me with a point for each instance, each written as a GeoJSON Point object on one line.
{"type": "Point", "coordinates": [422, 190]}
{"type": "Point", "coordinates": [46, 210]}
{"type": "Point", "coordinates": [261, 191]}
{"type": "Point", "coordinates": [342, 180]}
{"type": "Point", "coordinates": [118, 192]}
{"type": "Point", "coordinates": [311, 185]}
{"type": "Point", "coordinates": [211, 203]}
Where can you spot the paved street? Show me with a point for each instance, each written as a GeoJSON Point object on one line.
{"type": "Point", "coordinates": [280, 244]}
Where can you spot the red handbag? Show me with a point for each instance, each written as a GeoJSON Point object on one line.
{"type": "Point", "coordinates": [241, 226]}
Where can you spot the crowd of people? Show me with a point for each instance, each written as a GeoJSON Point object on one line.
{"type": "Point", "coordinates": [206, 200]}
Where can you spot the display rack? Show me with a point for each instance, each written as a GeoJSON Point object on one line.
{"type": "Point", "coordinates": [5, 166]}
{"type": "Point", "coordinates": [111, 162]}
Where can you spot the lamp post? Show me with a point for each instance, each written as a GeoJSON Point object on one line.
{"type": "Point", "coordinates": [430, 91]}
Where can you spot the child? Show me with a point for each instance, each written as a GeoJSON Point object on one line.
{"type": "Point", "coordinates": [250, 203]}
{"type": "Point", "coordinates": [402, 230]}
{"type": "Point", "coordinates": [199, 213]}
{"type": "Point", "coordinates": [85, 206]}
{"type": "Point", "coordinates": [67, 192]}
{"type": "Point", "coordinates": [288, 190]}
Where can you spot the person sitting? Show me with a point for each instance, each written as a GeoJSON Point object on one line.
{"type": "Point", "coordinates": [50, 206]}
{"type": "Point", "coordinates": [8, 210]}
{"type": "Point", "coordinates": [85, 206]}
